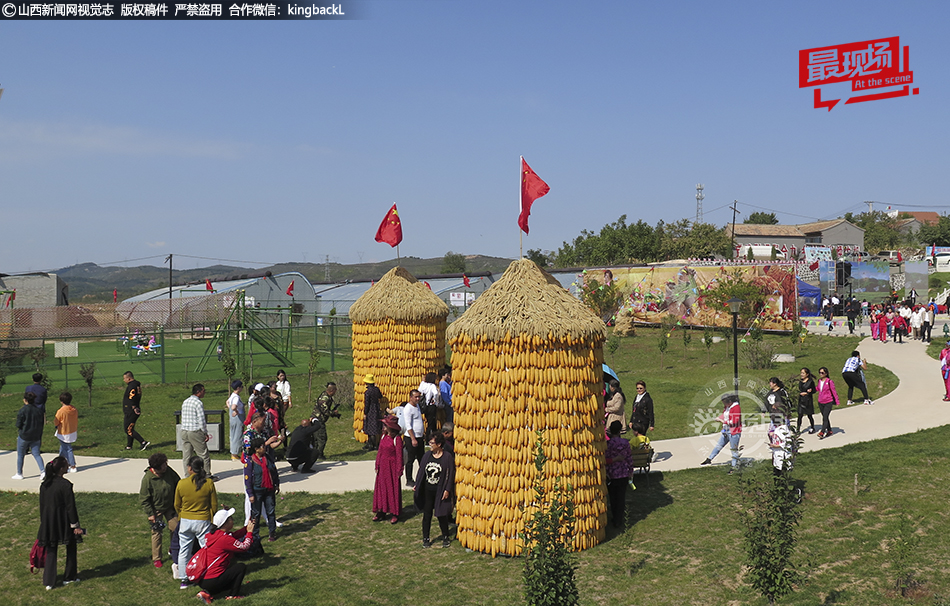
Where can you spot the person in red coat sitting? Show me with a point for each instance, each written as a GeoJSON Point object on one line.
{"type": "Point", "coordinates": [222, 543]}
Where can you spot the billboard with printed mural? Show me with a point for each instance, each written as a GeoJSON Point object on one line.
{"type": "Point", "coordinates": [651, 294]}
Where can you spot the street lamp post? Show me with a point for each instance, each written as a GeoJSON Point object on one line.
{"type": "Point", "coordinates": [734, 305]}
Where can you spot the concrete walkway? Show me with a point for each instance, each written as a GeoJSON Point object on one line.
{"type": "Point", "coordinates": [915, 404]}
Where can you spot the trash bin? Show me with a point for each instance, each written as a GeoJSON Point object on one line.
{"type": "Point", "coordinates": [215, 428]}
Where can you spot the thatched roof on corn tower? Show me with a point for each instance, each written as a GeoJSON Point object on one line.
{"type": "Point", "coordinates": [528, 301]}
{"type": "Point", "coordinates": [398, 296]}
{"type": "Point", "coordinates": [398, 336]}
{"type": "Point", "coordinates": [526, 357]}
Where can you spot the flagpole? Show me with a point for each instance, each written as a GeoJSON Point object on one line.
{"type": "Point", "coordinates": [520, 231]}
{"type": "Point", "coordinates": [397, 254]}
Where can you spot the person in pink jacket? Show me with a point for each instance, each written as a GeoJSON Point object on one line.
{"type": "Point", "coordinates": [731, 419]}
{"type": "Point", "coordinates": [945, 371]}
{"type": "Point", "coordinates": [827, 397]}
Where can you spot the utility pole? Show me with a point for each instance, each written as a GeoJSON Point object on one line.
{"type": "Point", "coordinates": [327, 272]}
{"type": "Point", "coordinates": [870, 204]}
{"type": "Point", "coordinates": [699, 203]}
{"type": "Point", "coordinates": [168, 259]}
{"type": "Point", "coordinates": [735, 203]}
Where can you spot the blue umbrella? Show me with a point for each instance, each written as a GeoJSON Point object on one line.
{"type": "Point", "coordinates": [609, 371]}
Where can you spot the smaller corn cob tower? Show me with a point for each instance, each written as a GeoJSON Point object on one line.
{"type": "Point", "coordinates": [526, 356]}
{"type": "Point", "coordinates": [398, 336]}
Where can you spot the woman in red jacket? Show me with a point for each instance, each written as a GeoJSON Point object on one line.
{"type": "Point", "coordinates": [222, 544]}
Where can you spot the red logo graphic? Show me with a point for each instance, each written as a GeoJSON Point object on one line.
{"type": "Point", "coordinates": [866, 65]}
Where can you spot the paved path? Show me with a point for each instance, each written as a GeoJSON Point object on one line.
{"type": "Point", "coordinates": [915, 404]}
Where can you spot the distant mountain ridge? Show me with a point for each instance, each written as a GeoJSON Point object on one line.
{"type": "Point", "coordinates": [93, 283]}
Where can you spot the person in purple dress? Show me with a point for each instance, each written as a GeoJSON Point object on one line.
{"type": "Point", "coordinates": [387, 493]}
{"type": "Point", "coordinates": [619, 469]}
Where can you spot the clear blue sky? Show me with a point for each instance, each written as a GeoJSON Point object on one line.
{"type": "Point", "coordinates": [289, 140]}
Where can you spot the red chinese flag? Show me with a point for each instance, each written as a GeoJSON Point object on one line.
{"type": "Point", "coordinates": [900, 257]}
{"type": "Point", "coordinates": [466, 281]}
{"type": "Point", "coordinates": [429, 286]}
{"type": "Point", "coordinates": [290, 289]}
{"type": "Point", "coordinates": [115, 295]}
{"type": "Point", "coordinates": [532, 188]}
{"type": "Point", "coordinates": [208, 285]}
{"type": "Point", "coordinates": [390, 230]}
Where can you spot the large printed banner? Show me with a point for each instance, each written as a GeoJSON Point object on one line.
{"type": "Point", "coordinates": [650, 294]}
{"type": "Point", "coordinates": [867, 277]}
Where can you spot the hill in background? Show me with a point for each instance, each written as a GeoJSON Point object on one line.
{"type": "Point", "coordinates": [91, 283]}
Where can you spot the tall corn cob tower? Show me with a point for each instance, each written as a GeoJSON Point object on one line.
{"type": "Point", "coordinates": [398, 336]}
{"type": "Point", "coordinates": [526, 356]}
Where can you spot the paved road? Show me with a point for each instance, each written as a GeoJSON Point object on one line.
{"type": "Point", "coordinates": [915, 404]}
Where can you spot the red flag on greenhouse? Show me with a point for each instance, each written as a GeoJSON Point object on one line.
{"type": "Point", "coordinates": [208, 285]}
{"type": "Point", "coordinates": [12, 298]}
{"type": "Point", "coordinates": [290, 289]}
{"type": "Point", "coordinates": [115, 295]}
{"type": "Point", "coordinates": [466, 281]}
{"type": "Point", "coordinates": [532, 188]}
{"type": "Point", "coordinates": [390, 230]}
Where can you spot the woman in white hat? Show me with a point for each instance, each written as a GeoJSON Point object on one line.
{"type": "Point", "coordinates": [222, 542]}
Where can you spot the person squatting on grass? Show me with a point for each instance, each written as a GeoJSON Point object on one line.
{"type": "Point", "coordinates": [731, 419]}
{"type": "Point", "coordinates": [67, 428]}
{"type": "Point", "coordinates": [157, 493]}
{"type": "Point", "coordinates": [223, 542]}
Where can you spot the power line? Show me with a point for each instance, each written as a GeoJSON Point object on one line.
{"type": "Point", "coordinates": [229, 260]}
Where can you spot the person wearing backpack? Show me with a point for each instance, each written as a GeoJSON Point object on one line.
{"type": "Point", "coordinates": [221, 543]}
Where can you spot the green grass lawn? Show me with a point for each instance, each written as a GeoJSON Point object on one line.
{"type": "Point", "coordinates": [678, 383]}
{"type": "Point", "coordinates": [683, 544]}
{"type": "Point", "coordinates": [179, 361]}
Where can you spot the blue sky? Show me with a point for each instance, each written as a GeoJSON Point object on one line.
{"type": "Point", "coordinates": [289, 140]}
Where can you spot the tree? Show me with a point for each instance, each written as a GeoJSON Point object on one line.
{"type": "Point", "coordinates": [938, 234]}
{"type": "Point", "coordinates": [603, 299]}
{"type": "Point", "coordinates": [542, 259]}
{"type": "Point", "coordinates": [772, 513]}
{"type": "Point", "coordinates": [761, 218]}
{"type": "Point", "coordinates": [732, 285]}
{"type": "Point", "coordinates": [88, 373]}
{"type": "Point", "coordinates": [881, 231]}
{"type": "Point", "coordinates": [617, 243]}
{"type": "Point", "coordinates": [685, 239]}
{"type": "Point", "coordinates": [548, 534]}
{"type": "Point", "coordinates": [313, 362]}
{"type": "Point", "coordinates": [453, 263]}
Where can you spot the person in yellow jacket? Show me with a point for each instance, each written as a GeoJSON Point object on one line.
{"type": "Point", "coordinates": [196, 500]}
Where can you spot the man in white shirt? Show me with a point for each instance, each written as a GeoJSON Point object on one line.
{"type": "Point", "coordinates": [414, 434]}
{"type": "Point", "coordinates": [194, 429]}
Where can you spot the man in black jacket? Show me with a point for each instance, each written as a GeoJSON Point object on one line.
{"type": "Point", "coordinates": [29, 426]}
{"type": "Point", "coordinates": [301, 452]}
